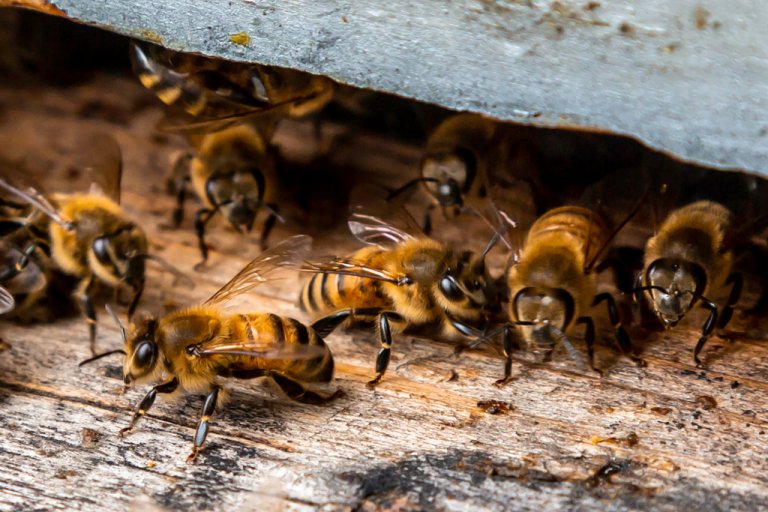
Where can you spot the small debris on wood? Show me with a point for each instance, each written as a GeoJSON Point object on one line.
{"type": "Point", "coordinates": [89, 437]}
{"type": "Point", "coordinates": [451, 377]}
{"type": "Point", "coordinates": [629, 441]}
{"type": "Point", "coordinates": [495, 406]}
{"type": "Point", "coordinates": [661, 411]}
{"type": "Point", "coordinates": [604, 474]}
{"type": "Point", "coordinates": [734, 384]}
{"type": "Point", "coordinates": [706, 402]}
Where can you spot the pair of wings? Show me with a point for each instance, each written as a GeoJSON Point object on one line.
{"type": "Point", "coordinates": [204, 91]}
{"type": "Point", "coordinates": [287, 254]}
{"type": "Point", "coordinates": [371, 230]}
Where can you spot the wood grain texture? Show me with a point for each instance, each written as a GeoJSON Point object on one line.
{"type": "Point", "coordinates": [418, 442]}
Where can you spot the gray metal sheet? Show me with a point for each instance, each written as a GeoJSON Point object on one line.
{"type": "Point", "coordinates": [687, 77]}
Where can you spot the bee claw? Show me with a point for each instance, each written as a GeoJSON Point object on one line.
{"type": "Point", "coordinates": [193, 456]}
{"type": "Point", "coordinates": [123, 431]}
{"type": "Point", "coordinates": [373, 383]}
{"type": "Point", "coordinates": [502, 382]}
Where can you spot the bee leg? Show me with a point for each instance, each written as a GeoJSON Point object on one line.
{"type": "Point", "coordinates": [427, 229]}
{"type": "Point", "coordinates": [709, 326]}
{"type": "Point", "coordinates": [209, 406]}
{"type": "Point", "coordinates": [382, 360]}
{"type": "Point", "coordinates": [510, 344]}
{"type": "Point", "coordinates": [299, 393]}
{"type": "Point", "coordinates": [328, 324]}
{"type": "Point", "coordinates": [201, 219]}
{"type": "Point", "coordinates": [146, 404]}
{"type": "Point", "coordinates": [268, 225]}
{"type": "Point", "coordinates": [589, 338]}
{"type": "Point", "coordinates": [181, 195]}
{"type": "Point", "coordinates": [84, 291]}
{"type": "Point", "coordinates": [727, 312]}
{"type": "Point", "coordinates": [622, 338]}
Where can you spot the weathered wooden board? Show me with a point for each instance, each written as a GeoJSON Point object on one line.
{"type": "Point", "coordinates": [418, 442]}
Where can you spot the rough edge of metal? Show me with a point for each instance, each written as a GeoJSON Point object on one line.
{"type": "Point", "coordinates": [689, 79]}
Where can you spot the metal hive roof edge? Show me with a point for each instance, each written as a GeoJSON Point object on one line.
{"type": "Point", "coordinates": [689, 78]}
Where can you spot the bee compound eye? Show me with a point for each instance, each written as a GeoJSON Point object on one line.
{"type": "Point", "coordinates": [145, 353]}
{"type": "Point", "coordinates": [449, 289]}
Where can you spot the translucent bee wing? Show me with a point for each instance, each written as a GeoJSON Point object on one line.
{"type": "Point", "coordinates": [350, 267]}
{"type": "Point", "coordinates": [34, 198]}
{"type": "Point", "coordinates": [7, 303]}
{"type": "Point", "coordinates": [101, 163]}
{"type": "Point", "coordinates": [289, 253]}
{"type": "Point", "coordinates": [369, 204]}
{"type": "Point", "coordinates": [286, 351]}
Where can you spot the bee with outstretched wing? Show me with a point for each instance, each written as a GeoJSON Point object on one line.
{"type": "Point", "coordinates": [403, 281]}
{"type": "Point", "coordinates": [195, 349]}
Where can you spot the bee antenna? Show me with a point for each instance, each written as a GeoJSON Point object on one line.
{"type": "Point", "coordinates": [119, 326]}
{"type": "Point", "coordinates": [178, 274]}
{"type": "Point", "coordinates": [493, 242]}
{"type": "Point", "coordinates": [571, 351]}
{"type": "Point", "coordinates": [410, 184]}
{"type": "Point", "coordinates": [99, 356]}
{"type": "Point", "coordinates": [272, 211]}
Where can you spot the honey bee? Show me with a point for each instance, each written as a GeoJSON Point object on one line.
{"type": "Point", "coordinates": [552, 284]}
{"type": "Point", "coordinates": [227, 92]}
{"type": "Point", "coordinates": [194, 349]}
{"type": "Point", "coordinates": [690, 256]}
{"type": "Point", "coordinates": [89, 237]}
{"type": "Point", "coordinates": [455, 163]}
{"type": "Point", "coordinates": [234, 174]}
{"type": "Point", "coordinates": [404, 282]}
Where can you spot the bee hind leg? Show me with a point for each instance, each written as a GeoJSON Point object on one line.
{"type": "Point", "coordinates": [203, 426]}
{"type": "Point", "coordinates": [301, 394]}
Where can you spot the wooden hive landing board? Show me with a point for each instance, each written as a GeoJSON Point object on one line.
{"type": "Point", "coordinates": [418, 442]}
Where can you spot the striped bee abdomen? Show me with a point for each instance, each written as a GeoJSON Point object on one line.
{"type": "Point", "coordinates": [326, 293]}
{"type": "Point", "coordinates": [273, 331]}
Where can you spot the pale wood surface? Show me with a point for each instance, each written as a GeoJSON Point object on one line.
{"type": "Point", "coordinates": [419, 441]}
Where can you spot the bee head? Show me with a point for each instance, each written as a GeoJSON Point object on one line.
{"type": "Point", "coordinates": [237, 193]}
{"type": "Point", "coordinates": [464, 284]}
{"type": "Point", "coordinates": [546, 308]}
{"type": "Point", "coordinates": [120, 255]}
{"type": "Point", "coordinates": [142, 354]}
{"type": "Point", "coordinates": [450, 175]}
{"type": "Point", "coordinates": [681, 281]}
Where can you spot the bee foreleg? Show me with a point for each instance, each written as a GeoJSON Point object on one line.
{"type": "Point", "coordinates": [84, 291]}
{"type": "Point", "coordinates": [201, 219]}
{"type": "Point", "coordinates": [622, 338]}
{"type": "Point", "coordinates": [725, 315]}
{"type": "Point", "coordinates": [385, 333]}
{"type": "Point", "coordinates": [427, 229]}
{"type": "Point", "coordinates": [510, 345]}
{"type": "Point", "coordinates": [589, 338]}
{"type": "Point", "coordinates": [146, 404]}
{"type": "Point", "coordinates": [209, 406]}
{"type": "Point", "coordinates": [709, 326]}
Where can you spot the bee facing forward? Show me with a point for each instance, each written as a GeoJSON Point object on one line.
{"type": "Point", "coordinates": [690, 256]}
{"type": "Point", "coordinates": [234, 174]}
{"type": "Point", "coordinates": [90, 238]}
{"type": "Point", "coordinates": [553, 285]}
{"type": "Point", "coordinates": [414, 283]}
{"type": "Point", "coordinates": [193, 349]}
{"type": "Point", "coordinates": [455, 163]}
